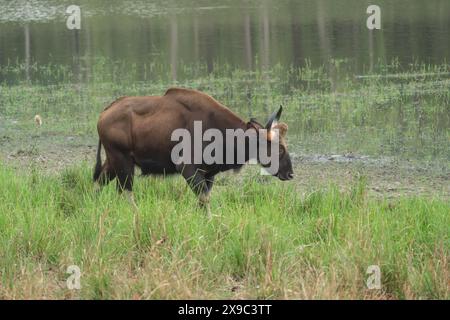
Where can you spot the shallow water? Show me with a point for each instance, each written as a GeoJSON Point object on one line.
{"type": "Point", "coordinates": [243, 34]}
{"type": "Point", "coordinates": [346, 90]}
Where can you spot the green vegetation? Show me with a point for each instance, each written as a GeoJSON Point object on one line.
{"type": "Point", "coordinates": [368, 115]}
{"type": "Point", "coordinates": [393, 111]}
{"type": "Point", "coordinates": [266, 240]}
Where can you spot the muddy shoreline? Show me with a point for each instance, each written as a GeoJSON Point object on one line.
{"type": "Point", "coordinates": [385, 176]}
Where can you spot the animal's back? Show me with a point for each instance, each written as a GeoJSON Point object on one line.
{"type": "Point", "coordinates": [141, 105]}
{"type": "Point", "coordinates": [196, 101]}
{"type": "Point", "coordinates": [140, 127]}
{"type": "Point", "coordinates": [177, 100]}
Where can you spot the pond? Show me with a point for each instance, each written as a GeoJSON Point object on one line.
{"type": "Point", "coordinates": [346, 89]}
{"type": "Point", "coordinates": [243, 34]}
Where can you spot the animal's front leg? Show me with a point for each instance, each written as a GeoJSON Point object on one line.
{"type": "Point", "coordinates": [201, 185]}
{"type": "Point", "coordinates": [203, 200]}
{"type": "Point", "coordinates": [130, 197]}
{"type": "Point", "coordinates": [205, 196]}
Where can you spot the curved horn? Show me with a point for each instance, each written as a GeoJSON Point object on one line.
{"type": "Point", "coordinates": [274, 117]}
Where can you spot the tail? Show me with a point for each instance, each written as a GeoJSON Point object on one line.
{"type": "Point", "coordinates": [98, 164]}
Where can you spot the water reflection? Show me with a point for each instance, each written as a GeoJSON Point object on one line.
{"type": "Point", "coordinates": [243, 34]}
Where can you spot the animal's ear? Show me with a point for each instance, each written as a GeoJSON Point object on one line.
{"type": "Point", "coordinates": [273, 119]}
{"type": "Point", "coordinates": [282, 128]}
{"type": "Point", "coordinates": [278, 130]}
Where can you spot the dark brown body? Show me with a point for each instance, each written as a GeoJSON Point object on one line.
{"type": "Point", "coordinates": [137, 131]}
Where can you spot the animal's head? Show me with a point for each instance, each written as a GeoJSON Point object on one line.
{"type": "Point", "coordinates": [274, 132]}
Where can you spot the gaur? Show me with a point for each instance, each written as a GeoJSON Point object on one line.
{"type": "Point", "coordinates": [136, 131]}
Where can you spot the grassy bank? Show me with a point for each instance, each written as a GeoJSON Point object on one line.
{"type": "Point", "coordinates": [393, 111]}
{"type": "Point", "coordinates": [267, 240]}
{"type": "Point", "coordinates": [314, 237]}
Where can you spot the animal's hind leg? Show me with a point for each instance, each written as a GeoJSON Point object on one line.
{"type": "Point", "coordinates": [123, 166]}
{"type": "Point", "coordinates": [107, 174]}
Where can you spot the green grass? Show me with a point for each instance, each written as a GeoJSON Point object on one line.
{"type": "Point", "coordinates": [266, 240]}
{"type": "Point", "coordinates": [396, 111]}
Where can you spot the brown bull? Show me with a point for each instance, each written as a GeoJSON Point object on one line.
{"type": "Point", "coordinates": [136, 131]}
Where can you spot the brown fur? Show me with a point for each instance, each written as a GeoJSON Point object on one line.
{"type": "Point", "coordinates": [137, 131]}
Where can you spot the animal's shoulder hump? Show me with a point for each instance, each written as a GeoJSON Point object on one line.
{"type": "Point", "coordinates": [114, 102]}
{"type": "Point", "coordinates": [190, 96]}
{"type": "Point", "coordinates": [176, 92]}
